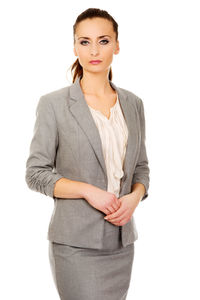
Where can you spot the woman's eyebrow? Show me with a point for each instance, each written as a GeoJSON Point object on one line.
{"type": "Point", "coordinates": [87, 38]}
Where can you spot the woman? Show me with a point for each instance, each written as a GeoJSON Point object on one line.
{"type": "Point", "coordinates": [88, 154]}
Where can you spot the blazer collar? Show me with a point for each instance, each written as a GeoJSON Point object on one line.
{"type": "Point", "coordinates": [80, 110]}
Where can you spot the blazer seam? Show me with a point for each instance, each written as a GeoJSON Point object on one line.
{"type": "Point", "coordinates": [56, 122]}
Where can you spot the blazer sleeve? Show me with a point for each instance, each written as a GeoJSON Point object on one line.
{"type": "Point", "coordinates": [142, 171]}
{"type": "Point", "coordinates": [41, 175]}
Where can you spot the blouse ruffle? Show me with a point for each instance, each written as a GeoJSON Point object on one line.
{"type": "Point", "coordinates": [114, 136]}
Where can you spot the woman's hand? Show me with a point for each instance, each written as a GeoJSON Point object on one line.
{"type": "Point", "coordinates": [102, 200]}
{"type": "Point", "coordinates": [128, 204]}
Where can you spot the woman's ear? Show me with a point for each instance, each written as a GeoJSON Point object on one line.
{"type": "Point", "coordinates": [117, 48]}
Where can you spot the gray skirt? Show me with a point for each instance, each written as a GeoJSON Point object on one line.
{"type": "Point", "coordinates": [92, 274]}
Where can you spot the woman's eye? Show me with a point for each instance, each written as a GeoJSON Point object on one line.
{"type": "Point", "coordinates": [105, 41]}
{"type": "Point", "coordinates": [83, 42]}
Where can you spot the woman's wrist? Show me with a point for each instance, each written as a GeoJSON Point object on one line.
{"type": "Point", "coordinates": [138, 190]}
{"type": "Point", "coordinates": [86, 189]}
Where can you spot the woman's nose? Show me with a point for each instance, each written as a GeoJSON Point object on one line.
{"type": "Point", "coordinates": [94, 49]}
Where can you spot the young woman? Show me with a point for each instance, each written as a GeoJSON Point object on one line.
{"type": "Point", "coordinates": [88, 154]}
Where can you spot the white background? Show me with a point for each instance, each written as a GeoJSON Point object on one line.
{"type": "Point", "coordinates": [159, 62]}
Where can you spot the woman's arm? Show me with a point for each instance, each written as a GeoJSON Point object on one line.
{"type": "Point", "coordinates": [101, 200]}
{"type": "Point", "coordinates": [141, 174]}
{"type": "Point", "coordinates": [139, 190]}
{"type": "Point", "coordinates": [66, 188]}
{"type": "Point", "coordinates": [40, 174]}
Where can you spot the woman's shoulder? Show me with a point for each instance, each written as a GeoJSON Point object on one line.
{"type": "Point", "coordinates": [134, 99]}
{"type": "Point", "coordinates": [54, 98]}
{"type": "Point", "coordinates": [56, 94]}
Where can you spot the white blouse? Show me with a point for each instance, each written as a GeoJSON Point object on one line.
{"type": "Point", "coordinates": [114, 136]}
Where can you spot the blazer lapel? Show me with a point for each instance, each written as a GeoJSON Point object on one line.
{"type": "Point", "coordinates": [81, 111]}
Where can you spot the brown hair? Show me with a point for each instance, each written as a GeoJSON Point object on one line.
{"type": "Point", "coordinates": [76, 68]}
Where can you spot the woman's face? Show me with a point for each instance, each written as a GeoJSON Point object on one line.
{"type": "Point", "coordinates": [95, 40]}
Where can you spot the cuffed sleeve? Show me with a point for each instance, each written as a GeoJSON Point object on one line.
{"type": "Point", "coordinates": [41, 174]}
{"type": "Point", "coordinates": [141, 173]}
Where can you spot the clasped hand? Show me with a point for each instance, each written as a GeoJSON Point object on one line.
{"type": "Point", "coordinates": [117, 210]}
{"type": "Point", "coordinates": [122, 216]}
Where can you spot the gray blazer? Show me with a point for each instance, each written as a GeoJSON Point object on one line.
{"type": "Point", "coordinates": [66, 143]}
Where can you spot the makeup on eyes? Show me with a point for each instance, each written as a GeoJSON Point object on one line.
{"type": "Point", "coordinates": [105, 40]}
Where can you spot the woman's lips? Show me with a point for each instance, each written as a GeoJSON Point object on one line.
{"type": "Point", "coordinates": [95, 62]}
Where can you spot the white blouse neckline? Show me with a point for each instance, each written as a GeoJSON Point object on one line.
{"type": "Point", "coordinates": [111, 109]}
